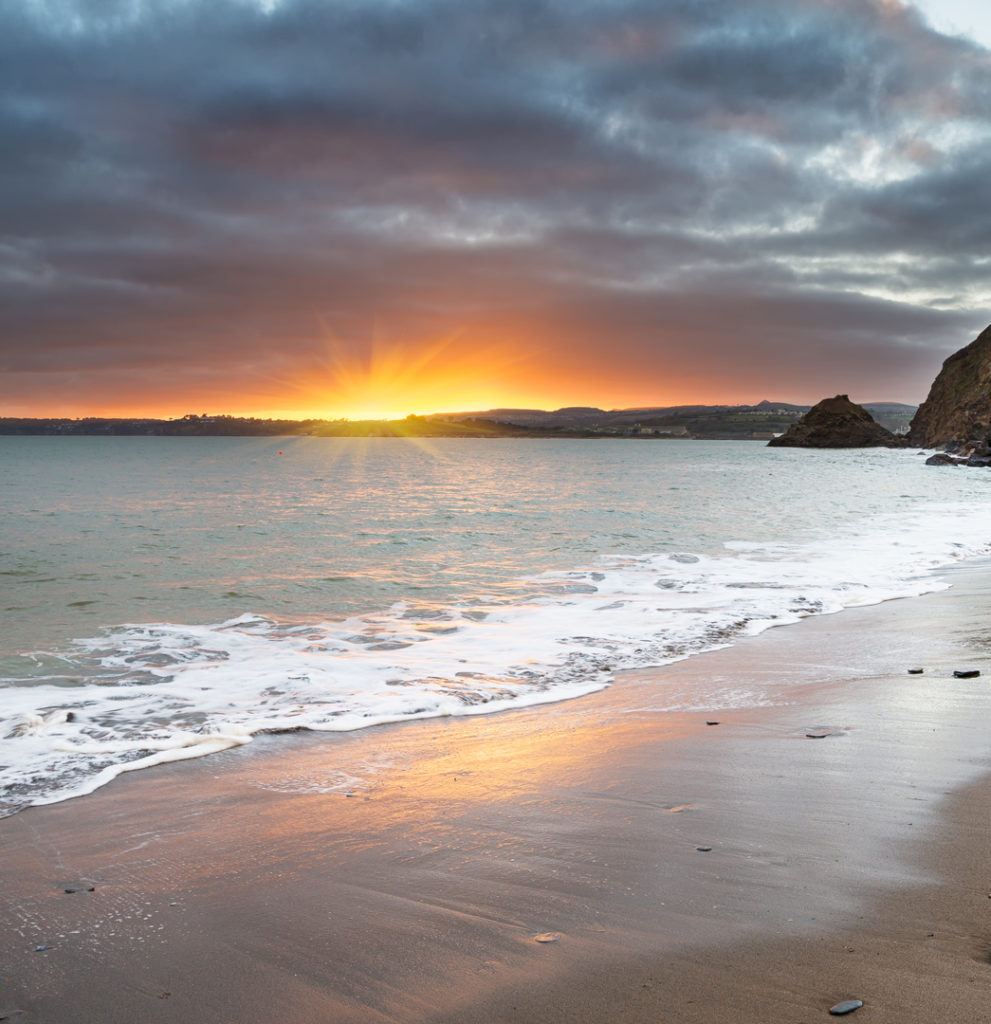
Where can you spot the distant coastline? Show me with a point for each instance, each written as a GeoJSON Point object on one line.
{"type": "Point", "coordinates": [745, 423]}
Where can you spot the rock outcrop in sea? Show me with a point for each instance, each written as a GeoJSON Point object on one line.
{"type": "Point", "coordinates": [958, 408]}
{"type": "Point", "coordinates": [837, 423]}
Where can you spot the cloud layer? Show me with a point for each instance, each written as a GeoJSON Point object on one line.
{"type": "Point", "coordinates": [251, 205]}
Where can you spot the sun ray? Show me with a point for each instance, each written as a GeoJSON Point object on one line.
{"type": "Point", "coordinates": [383, 377]}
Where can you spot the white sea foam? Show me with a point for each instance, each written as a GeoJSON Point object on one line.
{"type": "Point", "coordinates": [149, 693]}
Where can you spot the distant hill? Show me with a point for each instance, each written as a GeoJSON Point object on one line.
{"type": "Point", "coordinates": [725, 422]}
{"type": "Point", "coordinates": [704, 421]}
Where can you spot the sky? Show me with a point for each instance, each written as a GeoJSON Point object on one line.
{"type": "Point", "coordinates": [379, 207]}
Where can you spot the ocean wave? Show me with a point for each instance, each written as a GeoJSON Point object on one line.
{"type": "Point", "coordinates": [146, 693]}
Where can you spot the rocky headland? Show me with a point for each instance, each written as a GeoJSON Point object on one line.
{"type": "Point", "coordinates": [958, 409]}
{"type": "Point", "coordinates": [837, 423]}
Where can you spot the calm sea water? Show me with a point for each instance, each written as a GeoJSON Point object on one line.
{"type": "Point", "coordinates": [168, 597]}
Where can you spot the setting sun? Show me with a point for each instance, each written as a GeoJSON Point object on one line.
{"type": "Point", "coordinates": [392, 378]}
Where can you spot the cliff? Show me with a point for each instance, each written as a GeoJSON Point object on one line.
{"type": "Point", "coordinates": [837, 423]}
{"type": "Point", "coordinates": [958, 408]}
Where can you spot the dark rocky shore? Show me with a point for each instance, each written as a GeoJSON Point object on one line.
{"type": "Point", "coordinates": [955, 416]}
{"type": "Point", "coordinates": [958, 407]}
{"type": "Point", "coordinates": [837, 423]}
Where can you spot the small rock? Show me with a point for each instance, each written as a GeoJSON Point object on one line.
{"type": "Point", "coordinates": [942, 460]}
{"type": "Point", "coordinates": [42, 949]}
{"type": "Point", "coordinates": [816, 735]}
{"type": "Point", "coordinates": [704, 849]}
{"type": "Point", "coordinates": [915, 671]}
{"type": "Point", "coordinates": [712, 723]}
{"type": "Point", "coordinates": [547, 937]}
{"type": "Point", "coordinates": [965, 673]}
{"type": "Point", "coordinates": [83, 888]}
{"type": "Point", "coordinates": [847, 1006]}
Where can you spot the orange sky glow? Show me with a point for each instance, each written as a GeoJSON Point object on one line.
{"type": "Point", "coordinates": [467, 369]}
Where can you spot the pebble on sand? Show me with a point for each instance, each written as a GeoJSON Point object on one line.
{"type": "Point", "coordinates": [547, 937]}
{"type": "Point", "coordinates": [915, 671]}
{"type": "Point", "coordinates": [847, 1006]}
{"type": "Point", "coordinates": [704, 849]}
{"type": "Point", "coordinates": [965, 673]}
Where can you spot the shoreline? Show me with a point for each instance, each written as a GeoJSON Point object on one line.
{"type": "Point", "coordinates": [403, 873]}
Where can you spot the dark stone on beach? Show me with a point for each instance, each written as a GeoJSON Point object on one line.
{"type": "Point", "coordinates": [915, 671]}
{"type": "Point", "coordinates": [941, 459]}
{"type": "Point", "coordinates": [83, 888]}
{"type": "Point", "coordinates": [704, 849]}
{"type": "Point", "coordinates": [837, 423]}
{"type": "Point", "coordinates": [965, 673]}
{"type": "Point", "coordinates": [712, 723]}
{"type": "Point", "coordinates": [816, 735]}
{"type": "Point", "coordinates": [847, 1006]}
{"type": "Point", "coordinates": [42, 949]}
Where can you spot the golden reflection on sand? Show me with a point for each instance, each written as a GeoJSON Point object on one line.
{"type": "Point", "coordinates": [422, 777]}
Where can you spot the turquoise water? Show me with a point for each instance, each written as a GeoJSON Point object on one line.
{"type": "Point", "coordinates": [164, 594]}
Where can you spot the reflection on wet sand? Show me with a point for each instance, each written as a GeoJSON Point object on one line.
{"type": "Point", "coordinates": [413, 873]}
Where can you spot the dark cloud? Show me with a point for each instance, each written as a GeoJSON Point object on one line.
{"type": "Point", "coordinates": [797, 189]}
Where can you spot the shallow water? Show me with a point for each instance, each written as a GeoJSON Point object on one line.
{"type": "Point", "coordinates": [166, 597]}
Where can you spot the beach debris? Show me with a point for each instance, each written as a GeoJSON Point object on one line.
{"type": "Point", "coordinates": [547, 937]}
{"type": "Point", "coordinates": [915, 671]}
{"type": "Point", "coordinates": [704, 849]}
{"type": "Point", "coordinates": [965, 673]}
{"type": "Point", "coordinates": [847, 1006]}
{"type": "Point", "coordinates": [820, 732]}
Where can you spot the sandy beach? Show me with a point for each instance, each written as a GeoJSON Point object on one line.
{"type": "Point", "coordinates": [681, 871]}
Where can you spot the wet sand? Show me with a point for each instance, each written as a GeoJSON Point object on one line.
{"type": "Point", "coordinates": [685, 872]}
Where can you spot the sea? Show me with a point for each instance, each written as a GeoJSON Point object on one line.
{"type": "Point", "coordinates": [167, 598]}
